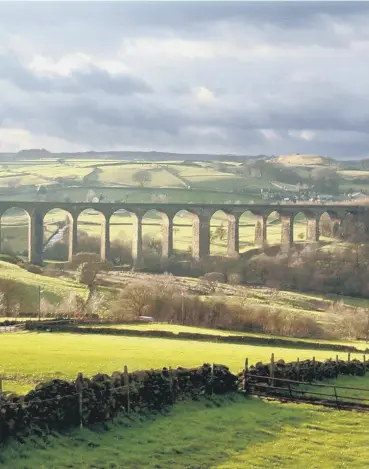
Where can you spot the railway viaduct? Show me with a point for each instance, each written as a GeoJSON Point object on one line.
{"type": "Point", "coordinates": [202, 214]}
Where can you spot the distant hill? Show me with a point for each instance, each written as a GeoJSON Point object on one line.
{"type": "Point", "coordinates": [123, 155]}
{"type": "Point", "coordinates": [292, 160]}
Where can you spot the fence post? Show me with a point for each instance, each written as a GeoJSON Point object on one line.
{"type": "Point", "coordinates": [298, 368]}
{"type": "Point", "coordinates": [245, 374]}
{"type": "Point", "coordinates": [314, 367]}
{"type": "Point", "coordinates": [337, 401]}
{"type": "Point", "coordinates": [349, 358]}
{"type": "Point", "coordinates": [212, 378]}
{"type": "Point", "coordinates": [364, 359]}
{"type": "Point", "coordinates": [79, 388]}
{"type": "Point", "coordinates": [126, 385]}
{"type": "Point", "coordinates": [272, 369]}
{"type": "Point", "coordinates": [1, 386]}
{"type": "Point", "coordinates": [171, 383]}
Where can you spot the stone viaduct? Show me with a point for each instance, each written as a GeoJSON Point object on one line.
{"type": "Point", "coordinates": [202, 214]}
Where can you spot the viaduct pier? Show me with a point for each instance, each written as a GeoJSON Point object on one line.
{"type": "Point", "coordinates": [201, 213]}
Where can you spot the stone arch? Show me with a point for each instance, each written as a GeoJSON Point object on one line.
{"type": "Point", "coordinates": [354, 226]}
{"type": "Point", "coordinates": [219, 232]}
{"type": "Point", "coordinates": [300, 227]}
{"type": "Point", "coordinates": [186, 226]}
{"type": "Point", "coordinates": [273, 227]}
{"type": "Point", "coordinates": [126, 233]}
{"type": "Point", "coordinates": [15, 231]}
{"type": "Point", "coordinates": [58, 228]}
{"type": "Point", "coordinates": [329, 224]}
{"type": "Point", "coordinates": [157, 233]}
{"type": "Point", "coordinates": [93, 232]}
{"type": "Point", "coordinates": [251, 230]}
{"type": "Point", "coordinates": [122, 224]}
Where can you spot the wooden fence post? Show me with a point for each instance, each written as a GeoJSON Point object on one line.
{"type": "Point", "coordinates": [79, 388]}
{"type": "Point", "coordinates": [1, 386]}
{"type": "Point", "coordinates": [272, 369]}
{"type": "Point", "coordinates": [298, 368]}
{"type": "Point", "coordinates": [212, 378]}
{"type": "Point", "coordinates": [126, 385]}
{"type": "Point", "coordinates": [171, 383]}
{"type": "Point", "coordinates": [364, 359]}
{"type": "Point", "coordinates": [314, 366]}
{"type": "Point", "coordinates": [245, 374]}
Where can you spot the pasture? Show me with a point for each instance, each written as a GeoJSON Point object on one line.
{"type": "Point", "coordinates": [29, 358]}
{"type": "Point", "coordinates": [212, 433]}
{"type": "Point", "coordinates": [223, 433]}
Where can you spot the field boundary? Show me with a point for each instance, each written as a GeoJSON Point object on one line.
{"type": "Point", "coordinates": [295, 382]}
{"type": "Point", "coordinates": [228, 339]}
{"type": "Point", "coordinates": [59, 404]}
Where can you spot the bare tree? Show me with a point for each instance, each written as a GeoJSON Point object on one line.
{"type": "Point", "coordinates": [133, 301]}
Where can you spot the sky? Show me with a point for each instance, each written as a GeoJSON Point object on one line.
{"type": "Point", "coordinates": [203, 77]}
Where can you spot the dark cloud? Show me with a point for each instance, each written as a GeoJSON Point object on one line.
{"type": "Point", "coordinates": [242, 77]}
{"type": "Point", "coordinates": [91, 79]}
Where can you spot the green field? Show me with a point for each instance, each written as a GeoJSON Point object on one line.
{"type": "Point", "coordinates": [224, 433]}
{"type": "Point", "coordinates": [176, 329]}
{"type": "Point", "coordinates": [220, 433]}
{"type": "Point", "coordinates": [28, 358]}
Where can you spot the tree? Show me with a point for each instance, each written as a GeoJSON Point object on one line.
{"type": "Point", "coordinates": [14, 182]}
{"type": "Point", "coordinates": [142, 177]}
{"type": "Point", "coordinates": [219, 233]}
{"type": "Point", "coordinates": [325, 180]}
{"type": "Point", "coordinates": [14, 297]}
{"type": "Point", "coordinates": [42, 190]}
{"type": "Point", "coordinates": [88, 266]}
{"type": "Point", "coordinates": [133, 301]}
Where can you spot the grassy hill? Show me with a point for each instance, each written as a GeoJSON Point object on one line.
{"type": "Point", "coordinates": [303, 160]}
{"type": "Point", "coordinates": [53, 289]}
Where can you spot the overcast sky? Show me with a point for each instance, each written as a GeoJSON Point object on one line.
{"type": "Point", "coordinates": [244, 78]}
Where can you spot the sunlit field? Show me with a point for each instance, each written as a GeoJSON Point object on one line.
{"type": "Point", "coordinates": [28, 358]}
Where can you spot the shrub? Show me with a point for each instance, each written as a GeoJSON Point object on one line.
{"type": "Point", "coordinates": [235, 279]}
{"type": "Point", "coordinates": [33, 269]}
{"type": "Point", "coordinates": [11, 258]}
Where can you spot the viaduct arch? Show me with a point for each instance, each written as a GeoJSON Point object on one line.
{"type": "Point", "coordinates": [202, 214]}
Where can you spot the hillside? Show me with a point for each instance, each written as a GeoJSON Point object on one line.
{"type": "Point", "coordinates": [304, 160]}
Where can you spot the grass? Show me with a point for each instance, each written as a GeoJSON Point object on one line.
{"type": "Point", "coordinates": [124, 175]}
{"type": "Point", "coordinates": [222, 433]}
{"type": "Point", "coordinates": [302, 160]}
{"type": "Point", "coordinates": [176, 329]}
{"type": "Point", "coordinates": [28, 358]}
{"type": "Point", "coordinates": [54, 289]}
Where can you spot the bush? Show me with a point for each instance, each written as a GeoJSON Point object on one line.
{"type": "Point", "coordinates": [11, 258]}
{"type": "Point", "coordinates": [235, 279]}
{"type": "Point", "coordinates": [33, 269]}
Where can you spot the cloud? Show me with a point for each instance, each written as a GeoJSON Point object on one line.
{"type": "Point", "coordinates": [258, 77]}
{"type": "Point", "coordinates": [82, 77]}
